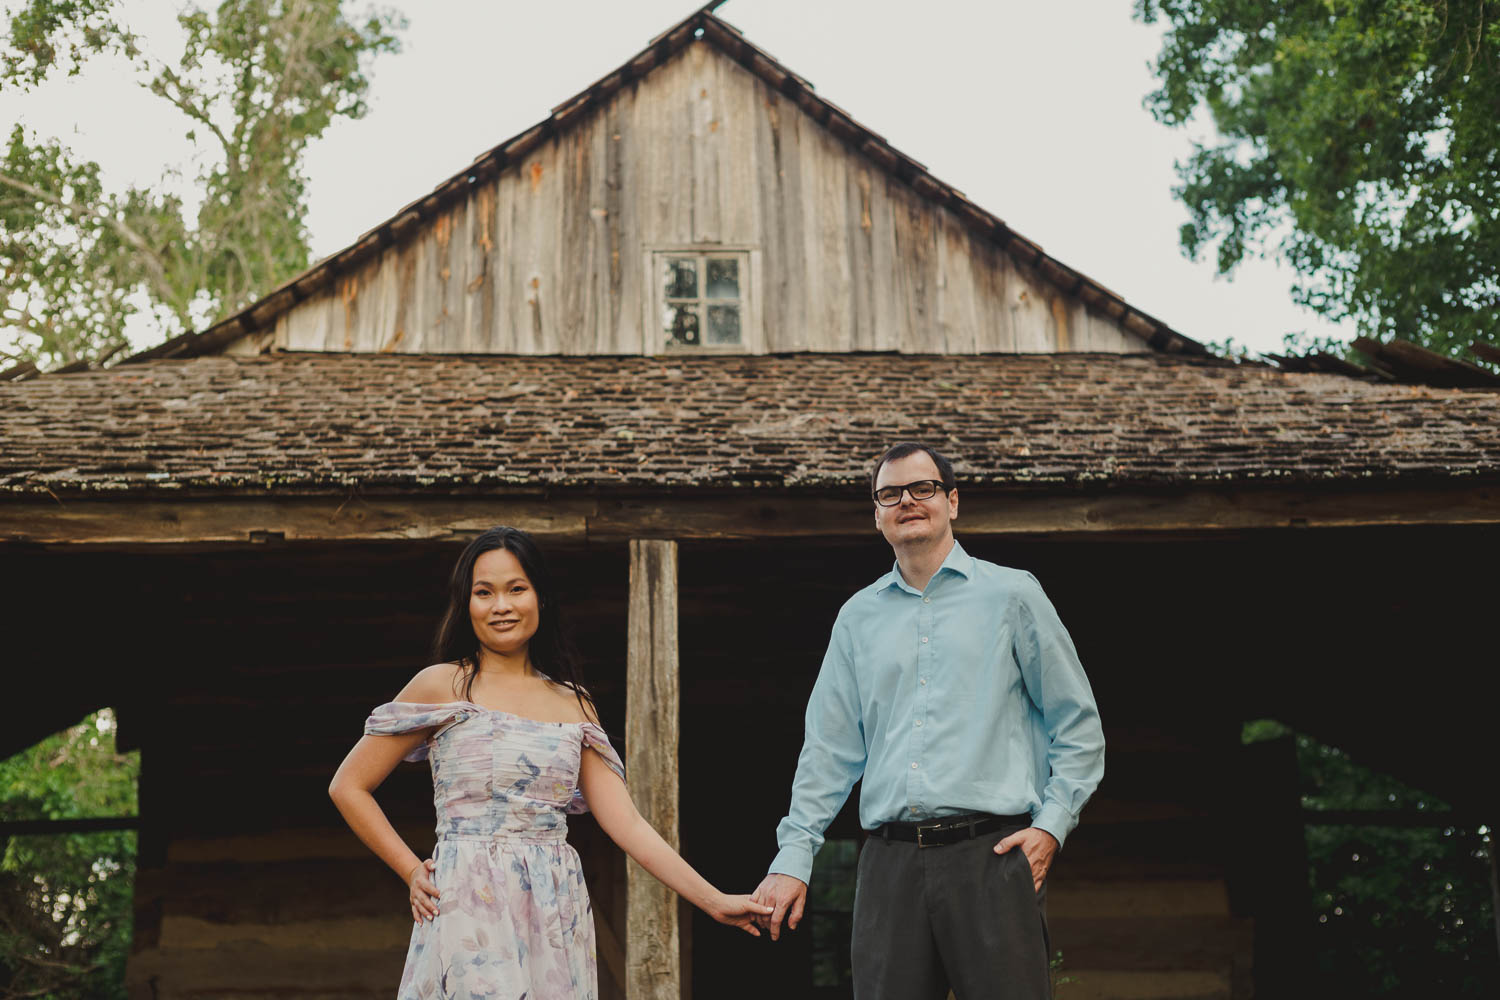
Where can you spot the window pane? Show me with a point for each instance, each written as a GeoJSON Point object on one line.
{"type": "Point", "coordinates": [723, 279]}
{"type": "Point", "coordinates": [681, 325]}
{"type": "Point", "coordinates": [680, 278]}
{"type": "Point", "coordinates": [723, 324]}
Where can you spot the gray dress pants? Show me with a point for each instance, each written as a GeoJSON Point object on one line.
{"type": "Point", "coordinates": [958, 916]}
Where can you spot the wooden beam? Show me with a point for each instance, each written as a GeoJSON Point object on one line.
{"type": "Point", "coordinates": [1398, 819]}
{"type": "Point", "coordinates": [271, 521]}
{"type": "Point", "coordinates": [247, 521]}
{"type": "Point", "coordinates": [92, 824]}
{"type": "Point", "coordinates": [653, 968]}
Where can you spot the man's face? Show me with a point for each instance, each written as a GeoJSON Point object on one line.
{"type": "Point", "coordinates": [911, 521]}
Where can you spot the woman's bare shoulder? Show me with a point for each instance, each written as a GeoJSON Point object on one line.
{"type": "Point", "coordinates": [434, 685]}
{"type": "Point", "coordinates": [577, 712]}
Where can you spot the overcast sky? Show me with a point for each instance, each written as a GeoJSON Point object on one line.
{"type": "Point", "coordinates": [1031, 109]}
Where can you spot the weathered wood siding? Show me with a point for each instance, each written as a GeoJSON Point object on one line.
{"type": "Point", "coordinates": [550, 257]}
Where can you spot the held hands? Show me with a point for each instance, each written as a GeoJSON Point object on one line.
{"type": "Point", "coordinates": [785, 897]}
{"type": "Point", "coordinates": [423, 893]}
{"type": "Point", "coordinates": [737, 911]}
{"type": "Point", "coordinates": [1039, 847]}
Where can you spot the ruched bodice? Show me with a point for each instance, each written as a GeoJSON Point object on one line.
{"type": "Point", "coordinates": [494, 774]}
{"type": "Point", "coordinates": [515, 918]}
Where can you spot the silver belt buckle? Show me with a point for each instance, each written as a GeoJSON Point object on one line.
{"type": "Point", "coordinates": [920, 829]}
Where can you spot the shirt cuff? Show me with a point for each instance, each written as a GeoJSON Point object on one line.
{"type": "Point", "coordinates": [794, 861]}
{"type": "Point", "coordinates": [1055, 820]}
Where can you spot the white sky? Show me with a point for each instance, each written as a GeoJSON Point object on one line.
{"type": "Point", "coordinates": [1032, 109]}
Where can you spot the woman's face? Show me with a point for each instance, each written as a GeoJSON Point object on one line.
{"type": "Point", "coordinates": [503, 605]}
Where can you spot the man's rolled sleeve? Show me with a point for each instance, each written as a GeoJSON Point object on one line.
{"type": "Point", "coordinates": [832, 760]}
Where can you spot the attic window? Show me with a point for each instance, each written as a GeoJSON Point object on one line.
{"type": "Point", "coordinates": [703, 300]}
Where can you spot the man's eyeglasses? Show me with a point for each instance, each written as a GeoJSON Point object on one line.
{"type": "Point", "coordinates": [922, 489]}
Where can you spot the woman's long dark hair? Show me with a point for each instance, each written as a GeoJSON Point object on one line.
{"type": "Point", "coordinates": [550, 650]}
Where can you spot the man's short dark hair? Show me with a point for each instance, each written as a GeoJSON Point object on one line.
{"type": "Point", "coordinates": [895, 451]}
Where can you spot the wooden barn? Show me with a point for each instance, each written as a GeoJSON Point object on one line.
{"type": "Point", "coordinates": [667, 330]}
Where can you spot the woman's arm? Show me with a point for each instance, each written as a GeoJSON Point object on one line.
{"type": "Point", "coordinates": [370, 763]}
{"type": "Point", "coordinates": [610, 803]}
{"type": "Point", "coordinates": [352, 788]}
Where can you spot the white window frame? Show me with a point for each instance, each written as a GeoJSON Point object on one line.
{"type": "Point", "coordinates": [752, 333]}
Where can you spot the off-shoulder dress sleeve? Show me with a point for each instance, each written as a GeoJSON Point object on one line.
{"type": "Point", "coordinates": [595, 738]}
{"type": "Point", "coordinates": [397, 717]}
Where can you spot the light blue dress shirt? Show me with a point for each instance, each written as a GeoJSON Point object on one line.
{"type": "Point", "coordinates": [965, 697]}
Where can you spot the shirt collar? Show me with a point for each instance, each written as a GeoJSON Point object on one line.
{"type": "Point", "coordinates": [957, 561]}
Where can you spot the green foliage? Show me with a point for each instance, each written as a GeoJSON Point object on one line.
{"type": "Point", "coordinates": [47, 35]}
{"type": "Point", "coordinates": [1229, 348]}
{"type": "Point", "coordinates": [1357, 141]}
{"type": "Point", "coordinates": [1305, 343]}
{"type": "Point", "coordinates": [1055, 972]}
{"type": "Point", "coordinates": [1396, 911]}
{"type": "Point", "coordinates": [1261, 730]}
{"type": "Point", "coordinates": [830, 911]}
{"type": "Point", "coordinates": [1399, 912]}
{"type": "Point", "coordinates": [66, 899]}
{"type": "Point", "coordinates": [256, 81]}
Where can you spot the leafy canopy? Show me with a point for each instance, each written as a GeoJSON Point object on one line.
{"type": "Point", "coordinates": [256, 81]}
{"type": "Point", "coordinates": [1358, 140]}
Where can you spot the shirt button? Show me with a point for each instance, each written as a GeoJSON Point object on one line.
{"type": "Point", "coordinates": [923, 681]}
{"type": "Point", "coordinates": [924, 638]}
{"type": "Point", "coordinates": [919, 723]}
{"type": "Point", "coordinates": [913, 808]}
{"type": "Point", "coordinates": [913, 765]}
{"type": "Point", "coordinates": [926, 600]}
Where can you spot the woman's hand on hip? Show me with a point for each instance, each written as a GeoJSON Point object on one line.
{"type": "Point", "coordinates": [423, 893]}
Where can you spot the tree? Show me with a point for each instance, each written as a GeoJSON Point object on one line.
{"type": "Point", "coordinates": [66, 899]}
{"type": "Point", "coordinates": [256, 81]}
{"type": "Point", "coordinates": [1358, 140]}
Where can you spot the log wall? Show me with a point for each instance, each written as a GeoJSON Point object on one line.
{"type": "Point", "coordinates": [552, 256]}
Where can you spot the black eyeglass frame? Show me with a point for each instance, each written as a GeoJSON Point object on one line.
{"type": "Point", "coordinates": [936, 484]}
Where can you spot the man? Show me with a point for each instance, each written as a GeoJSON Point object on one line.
{"type": "Point", "coordinates": [953, 689]}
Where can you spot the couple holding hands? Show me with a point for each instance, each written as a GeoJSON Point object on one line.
{"type": "Point", "coordinates": [949, 686]}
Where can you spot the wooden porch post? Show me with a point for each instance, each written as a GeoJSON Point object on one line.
{"type": "Point", "coordinates": [653, 968]}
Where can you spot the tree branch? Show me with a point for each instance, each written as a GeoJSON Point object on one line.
{"type": "Point", "coordinates": [24, 319]}
{"type": "Point", "coordinates": [179, 99]}
{"type": "Point", "coordinates": [153, 263]}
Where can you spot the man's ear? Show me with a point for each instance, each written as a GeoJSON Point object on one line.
{"type": "Point", "coordinates": [953, 504]}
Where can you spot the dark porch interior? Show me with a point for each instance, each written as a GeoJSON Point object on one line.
{"type": "Point", "coordinates": [244, 675]}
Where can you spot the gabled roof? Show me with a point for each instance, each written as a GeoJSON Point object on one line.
{"type": "Point", "coordinates": [705, 26]}
{"type": "Point", "coordinates": [313, 423]}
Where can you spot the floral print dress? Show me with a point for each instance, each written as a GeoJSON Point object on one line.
{"type": "Point", "coordinates": [514, 915]}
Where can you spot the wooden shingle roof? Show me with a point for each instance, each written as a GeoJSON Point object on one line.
{"type": "Point", "coordinates": [321, 423]}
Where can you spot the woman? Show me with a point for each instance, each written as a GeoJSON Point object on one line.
{"type": "Point", "coordinates": [515, 744]}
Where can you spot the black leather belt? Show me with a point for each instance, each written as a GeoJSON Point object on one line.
{"type": "Point", "coordinates": [949, 829]}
